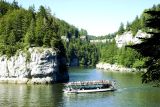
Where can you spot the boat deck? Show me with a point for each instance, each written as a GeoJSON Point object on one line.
{"type": "Point", "coordinates": [89, 86]}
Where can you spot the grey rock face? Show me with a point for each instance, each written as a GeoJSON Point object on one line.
{"type": "Point", "coordinates": [38, 65]}
{"type": "Point", "coordinates": [127, 38]}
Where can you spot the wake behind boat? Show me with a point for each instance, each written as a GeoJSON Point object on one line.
{"type": "Point", "coordinates": [89, 86]}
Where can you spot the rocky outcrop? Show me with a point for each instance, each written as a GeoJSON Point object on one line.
{"type": "Point", "coordinates": [115, 67]}
{"type": "Point", "coordinates": [127, 38]}
{"type": "Point", "coordinates": [36, 65]}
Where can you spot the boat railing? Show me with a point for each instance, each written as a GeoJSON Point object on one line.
{"type": "Point", "coordinates": [99, 82]}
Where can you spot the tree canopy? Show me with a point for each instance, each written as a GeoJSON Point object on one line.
{"type": "Point", "coordinates": [21, 29]}
{"type": "Point", "coordinates": [150, 47]}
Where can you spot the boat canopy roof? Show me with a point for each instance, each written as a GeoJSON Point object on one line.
{"type": "Point", "coordinates": [98, 82]}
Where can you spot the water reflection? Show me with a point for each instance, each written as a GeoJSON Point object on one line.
{"type": "Point", "coordinates": [87, 99]}
{"type": "Point", "coordinates": [31, 95]}
{"type": "Point", "coordinates": [85, 74]}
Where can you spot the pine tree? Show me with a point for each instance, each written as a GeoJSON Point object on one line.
{"type": "Point", "coordinates": [121, 29]}
{"type": "Point", "coordinates": [135, 26]}
{"type": "Point", "coordinates": [128, 26]}
{"type": "Point", "coordinates": [150, 47]}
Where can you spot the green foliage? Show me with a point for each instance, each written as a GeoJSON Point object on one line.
{"type": "Point", "coordinates": [22, 28]}
{"type": "Point", "coordinates": [83, 32]}
{"type": "Point", "coordinates": [28, 56]}
{"type": "Point", "coordinates": [29, 37]}
{"type": "Point", "coordinates": [108, 36]}
{"type": "Point", "coordinates": [128, 57]}
{"type": "Point", "coordinates": [85, 53]}
{"type": "Point", "coordinates": [128, 26]}
{"type": "Point", "coordinates": [5, 7]}
{"type": "Point", "coordinates": [135, 26]}
{"type": "Point", "coordinates": [150, 47]}
{"type": "Point", "coordinates": [139, 64]}
{"type": "Point", "coordinates": [108, 52]}
{"type": "Point", "coordinates": [13, 27]}
{"type": "Point", "coordinates": [121, 29]}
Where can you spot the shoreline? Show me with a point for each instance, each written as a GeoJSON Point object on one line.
{"type": "Point", "coordinates": [117, 68]}
{"type": "Point", "coordinates": [8, 80]}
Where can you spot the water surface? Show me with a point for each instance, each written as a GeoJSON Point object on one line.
{"type": "Point", "coordinates": [130, 93]}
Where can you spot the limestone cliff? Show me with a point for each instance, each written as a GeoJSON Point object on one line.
{"type": "Point", "coordinates": [127, 38]}
{"type": "Point", "coordinates": [37, 65]}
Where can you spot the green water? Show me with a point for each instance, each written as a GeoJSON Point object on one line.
{"type": "Point", "coordinates": [130, 93]}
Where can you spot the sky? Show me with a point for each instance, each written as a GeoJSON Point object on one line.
{"type": "Point", "coordinates": [98, 17]}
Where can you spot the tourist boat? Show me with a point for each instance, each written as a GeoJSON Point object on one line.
{"type": "Point", "coordinates": [89, 86]}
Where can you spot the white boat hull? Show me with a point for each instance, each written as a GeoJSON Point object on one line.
{"type": "Point", "coordinates": [89, 91]}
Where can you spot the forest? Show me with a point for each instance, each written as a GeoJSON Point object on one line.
{"type": "Point", "coordinates": [21, 29]}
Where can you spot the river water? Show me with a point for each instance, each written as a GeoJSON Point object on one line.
{"type": "Point", "coordinates": [130, 93]}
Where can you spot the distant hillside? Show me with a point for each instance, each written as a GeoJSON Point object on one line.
{"type": "Point", "coordinates": [135, 30]}
{"type": "Point", "coordinates": [101, 39]}
{"type": "Point", "coordinates": [116, 52]}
